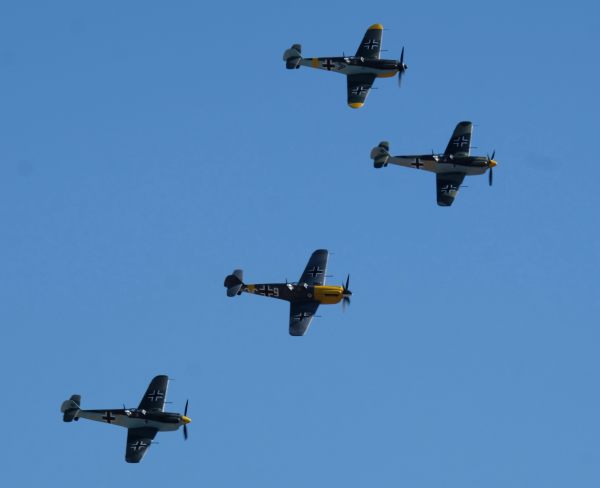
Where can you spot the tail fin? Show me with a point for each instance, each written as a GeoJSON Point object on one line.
{"type": "Point", "coordinates": [70, 408]}
{"type": "Point", "coordinates": [380, 154]}
{"type": "Point", "coordinates": [293, 56]}
{"type": "Point", "coordinates": [234, 283]}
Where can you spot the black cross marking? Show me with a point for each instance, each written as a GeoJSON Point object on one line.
{"type": "Point", "coordinates": [268, 291]}
{"type": "Point", "coordinates": [137, 445]}
{"type": "Point", "coordinates": [329, 65]}
{"type": "Point", "coordinates": [371, 44]}
{"type": "Point", "coordinates": [460, 141]}
{"type": "Point", "coordinates": [359, 90]}
{"type": "Point", "coordinates": [156, 395]}
{"type": "Point", "coordinates": [417, 164]}
{"type": "Point", "coordinates": [109, 418]}
{"type": "Point", "coordinates": [315, 271]}
{"type": "Point", "coordinates": [302, 315]}
{"type": "Point", "coordinates": [448, 188]}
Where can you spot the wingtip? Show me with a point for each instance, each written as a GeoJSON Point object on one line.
{"type": "Point", "coordinates": [376, 27]}
{"type": "Point", "coordinates": [355, 105]}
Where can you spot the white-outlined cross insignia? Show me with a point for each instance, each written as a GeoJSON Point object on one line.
{"type": "Point", "coordinates": [314, 271]}
{"type": "Point", "coordinates": [156, 395]}
{"type": "Point", "coordinates": [302, 315]}
{"type": "Point", "coordinates": [328, 65]}
{"type": "Point", "coordinates": [417, 164]}
{"type": "Point", "coordinates": [137, 445]}
{"type": "Point", "coordinates": [269, 291]}
{"type": "Point", "coordinates": [371, 44]}
{"type": "Point", "coordinates": [108, 418]}
{"type": "Point", "coordinates": [448, 189]}
{"type": "Point", "coordinates": [460, 141]}
{"type": "Point", "coordinates": [359, 90]}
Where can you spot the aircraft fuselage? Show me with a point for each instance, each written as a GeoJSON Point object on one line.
{"type": "Point", "coordinates": [351, 65]}
{"type": "Point", "coordinates": [133, 418]}
{"type": "Point", "coordinates": [324, 294]}
{"type": "Point", "coordinates": [471, 165]}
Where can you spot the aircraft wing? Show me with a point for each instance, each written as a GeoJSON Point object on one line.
{"type": "Point", "coordinates": [156, 394]}
{"type": "Point", "coordinates": [301, 315]}
{"type": "Point", "coordinates": [447, 187]}
{"type": "Point", "coordinates": [460, 142]}
{"type": "Point", "coordinates": [138, 442]}
{"type": "Point", "coordinates": [358, 89]}
{"type": "Point", "coordinates": [314, 273]}
{"type": "Point", "coordinates": [370, 46]}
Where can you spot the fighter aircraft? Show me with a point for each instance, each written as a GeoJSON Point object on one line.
{"type": "Point", "coordinates": [142, 423]}
{"type": "Point", "coordinates": [360, 69]}
{"type": "Point", "coordinates": [450, 167]}
{"type": "Point", "coordinates": [304, 296]}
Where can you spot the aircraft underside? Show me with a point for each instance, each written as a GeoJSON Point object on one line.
{"type": "Point", "coordinates": [118, 417]}
{"type": "Point", "coordinates": [342, 67]}
{"type": "Point", "coordinates": [433, 165]}
{"type": "Point", "coordinates": [297, 293]}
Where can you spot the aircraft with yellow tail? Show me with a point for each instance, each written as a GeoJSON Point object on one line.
{"type": "Point", "coordinates": [305, 296]}
{"type": "Point", "coordinates": [361, 70]}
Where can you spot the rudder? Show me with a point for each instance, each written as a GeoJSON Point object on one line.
{"type": "Point", "coordinates": [293, 56]}
{"type": "Point", "coordinates": [234, 283]}
{"type": "Point", "coordinates": [380, 154]}
{"type": "Point", "coordinates": [70, 408]}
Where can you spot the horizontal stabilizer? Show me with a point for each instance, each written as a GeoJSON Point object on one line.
{"type": "Point", "coordinates": [70, 408]}
{"type": "Point", "coordinates": [293, 56]}
{"type": "Point", "coordinates": [234, 283]}
{"type": "Point", "coordinates": [380, 154]}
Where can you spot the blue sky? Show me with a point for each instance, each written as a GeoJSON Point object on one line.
{"type": "Point", "coordinates": [147, 150]}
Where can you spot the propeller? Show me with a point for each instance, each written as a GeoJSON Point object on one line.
{"type": "Point", "coordinates": [401, 67]}
{"type": "Point", "coordinates": [185, 431]}
{"type": "Point", "coordinates": [346, 293]}
{"type": "Point", "coordinates": [491, 163]}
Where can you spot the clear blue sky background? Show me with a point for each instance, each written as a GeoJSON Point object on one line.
{"type": "Point", "coordinates": [148, 148]}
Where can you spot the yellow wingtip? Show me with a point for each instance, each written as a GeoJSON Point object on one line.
{"type": "Point", "coordinates": [376, 27]}
{"type": "Point", "coordinates": [356, 105]}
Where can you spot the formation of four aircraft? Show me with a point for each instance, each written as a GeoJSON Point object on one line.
{"type": "Point", "coordinates": [306, 295]}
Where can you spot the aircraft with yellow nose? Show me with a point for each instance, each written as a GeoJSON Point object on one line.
{"type": "Point", "coordinates": [142, 423]}
{"type": "Point", "coordinates": [361, 70]}
{"type": "Point", "coordinates": [450, 168]}
{"type": "Point", "coordinates": [305, 296]}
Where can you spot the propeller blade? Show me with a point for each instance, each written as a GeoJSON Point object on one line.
{"type": "Point", "coordinates": [347, 283]}
{"type": "Point", "coordinates": [493, 154]}
{"type": "Point", "coordinates": [186, 407]}
{"type": "Point", "coordinates": [185, 432]}
{"type": "Point", "coordinates": [401, 67]}
{"type": "Point", "coordinates": [491, 176]}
